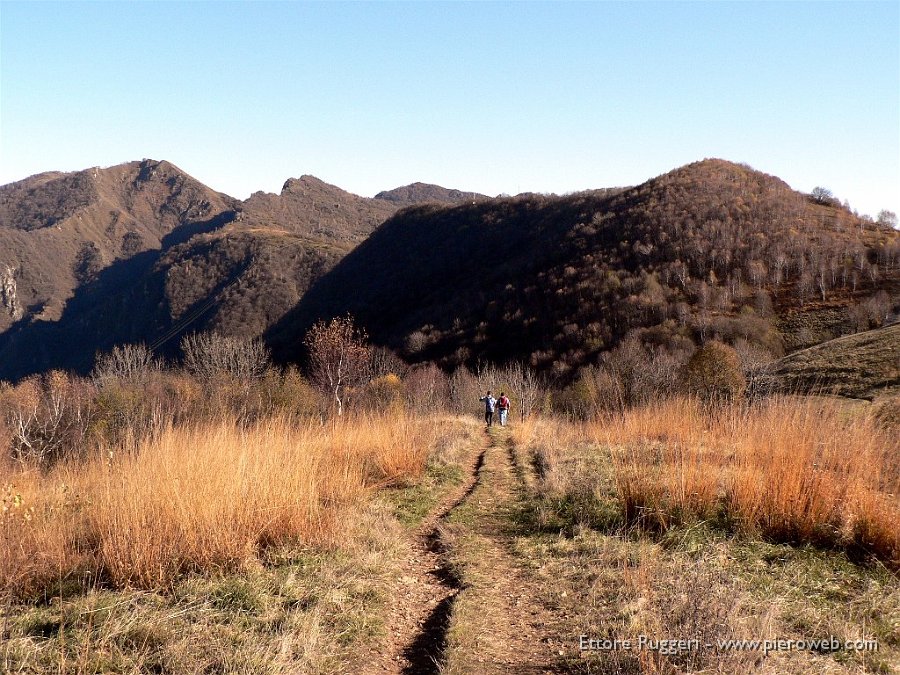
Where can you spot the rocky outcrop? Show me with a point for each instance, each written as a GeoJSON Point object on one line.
{"type": "Point", "coordinates": [8, 299]}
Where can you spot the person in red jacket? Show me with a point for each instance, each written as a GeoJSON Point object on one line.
{"type": "Point", "coordinates": [503, 407]}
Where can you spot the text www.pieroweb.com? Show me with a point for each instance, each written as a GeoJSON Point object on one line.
{"type": "Point", "coordinates": [671, 646]}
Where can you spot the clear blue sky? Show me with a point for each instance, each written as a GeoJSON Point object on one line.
{"type": "Point", "coordinates": [487, 97]}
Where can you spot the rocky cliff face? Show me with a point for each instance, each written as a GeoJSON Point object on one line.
{"type": "Point", "coordinates": [8, 299]}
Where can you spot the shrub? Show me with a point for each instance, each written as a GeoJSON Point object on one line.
{"type": "Point", "coordinates": [209, 355]}
{"type": "Point", "coordinates": [134, 408]}
{"type": "Point", "coordinates": [714, 373]}
{"type": "Point", "coordinates": [383, 392]}
{"type": "Point", "coordinates": [48, 417]}
{"type": "Point", "coordinates": [594, 391]}
{"type": "Point", "coordinates": [290, 394]}
{"type": "Point", "coordinates": [132, 362]}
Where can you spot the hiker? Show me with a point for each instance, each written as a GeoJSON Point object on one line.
{"type": "Point", "coordinates": [489, 403]}
{"type": "Point", "coordinates": [503, 407]}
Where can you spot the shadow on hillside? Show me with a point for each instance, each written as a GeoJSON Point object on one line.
{"type": "Point", "coordinates": [125, 302]}
{"type": "Point", "coordinates": [433, 265]}
{"type": "Point", "coordinates": [184, 232]}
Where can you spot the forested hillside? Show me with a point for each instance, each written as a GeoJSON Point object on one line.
{"type": "Point", "coordinates": [710, 250]}
{"type": "Point", "coordinates": [142, 252]}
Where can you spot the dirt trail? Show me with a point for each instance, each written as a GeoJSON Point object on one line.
{"type": "Point", "coordinates": [496, 625]}
{"type": "Point", "coordinates": [500, 624]}
{"type": "Point", "coordinates": [422, 602]}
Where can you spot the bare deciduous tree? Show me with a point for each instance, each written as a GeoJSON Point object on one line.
{"type": "Point", "coordinates": [526, 388]}
{"type": "Point", "coordinates": [131, 362]}
{"type": "Point", "coordinates": [804, 286]}
{"type": "Point", "coordinates": [427, 387]}
{"type": "Point", "coordinates": [756, 270]}
{"type": "Point", "coordinates": [822, 195]}
{"type": "Point", "coordinates": [822, 282]}
{"type": "Point", "coordinates": [464, 390]}
{"type": "Point", "coordinates": [208, 355]}
{"type": "Point", "coordinates": [887, 218]}
{"type": "Point", "coordinates": [339, 357]}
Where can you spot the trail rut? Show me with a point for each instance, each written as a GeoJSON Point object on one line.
{"type": "Point", "coordinates": [422, 604]}
{"type": "Point", "coordinates": [498, 623]}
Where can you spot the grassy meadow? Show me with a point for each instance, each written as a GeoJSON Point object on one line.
{"type": "Point", "coordinates": [778, 519]}
{"type": "Point", "coordinates": [175, 525]}
{"type": "Point", "coordinates": [216, 546]}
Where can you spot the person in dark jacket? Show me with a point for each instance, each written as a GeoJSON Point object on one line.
{"type": "Point", "coordinates": [489, 403]}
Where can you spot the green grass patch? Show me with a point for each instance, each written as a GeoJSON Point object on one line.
{"type": "Point", "coordinates": [412, 503]}
{"type": "Point", "coordinates": [309, 611]}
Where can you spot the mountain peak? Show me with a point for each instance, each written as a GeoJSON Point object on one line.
{"type": "Point", "coordinates": [418, 193]}
{"type": "Point", "coordinates": [722, 171]}
{"type": "Point", "coordinates": [307, 182]}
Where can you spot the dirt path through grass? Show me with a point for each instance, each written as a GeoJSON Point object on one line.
{"type": "Point", "coordinates": [425, 590]}
{"type": "Point", "coordinates": [499, 625]}
{"type": "Point", "coordinates": [462, 604]}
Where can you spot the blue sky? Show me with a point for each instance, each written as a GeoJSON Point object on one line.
{"type": "Point", "coordinates": [506, 97]}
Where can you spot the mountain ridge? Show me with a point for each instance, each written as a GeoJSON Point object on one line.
{"type": "Point", "coordinates": [710, 249]}
{"type": "Point", "coordinates": [81, 247]}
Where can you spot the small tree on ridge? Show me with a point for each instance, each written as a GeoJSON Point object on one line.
{"type": "Point", "coordinates": [339, 357]}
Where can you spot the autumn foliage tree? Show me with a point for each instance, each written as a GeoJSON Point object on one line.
{"type": "Point", "coordinates": [714, 373]}
{"type": "Point", "coordinates": [339, 358]}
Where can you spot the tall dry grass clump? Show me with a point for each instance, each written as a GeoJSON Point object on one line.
{"type": "Point", "coordinates": [668, 467]}
{"type": "Point", "coordinates": [547, 439]}
{"type": "Point", "coordinates": [810, 471]}
{"type": "Point", "coordinates": [795, 470]}
{"type": "Point", "coordinates": [195, 498]}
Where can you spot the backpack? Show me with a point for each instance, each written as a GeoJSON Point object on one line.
{"type": "Point", "coordinates": [504, 403]}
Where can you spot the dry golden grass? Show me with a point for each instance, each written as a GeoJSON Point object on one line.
{"type": "Point", "coordinates": [794, 470]}
{"type": "Point", "coordinates": [547, 438]}
{"type": "Point", "coordinates": [797, 480]}
{"type": "Point", "coordinates": [196, 498]}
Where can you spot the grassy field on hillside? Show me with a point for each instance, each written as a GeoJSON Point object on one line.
{"type": "Point", "coordinates": [297, 546]}
{"type": "Point", "coordinates": [862, 365]}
